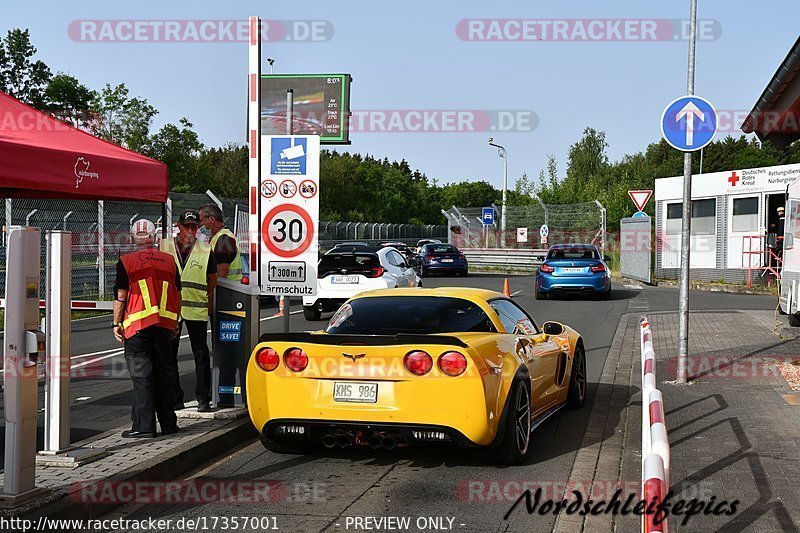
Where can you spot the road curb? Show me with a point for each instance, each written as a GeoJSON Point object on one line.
{"type": "Point", "coordinates": [605, 456]}
{"type": "Point", "coordinates": [168, 465]}
{"type": "Point", "coordinates": [729, 289]}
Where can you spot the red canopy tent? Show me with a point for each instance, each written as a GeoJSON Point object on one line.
{"type": "Point", "coordinates": [41, 157]}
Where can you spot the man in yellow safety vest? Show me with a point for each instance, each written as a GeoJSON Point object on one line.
{"type": "Point", "coordinates": [198, 271]}
{"type": "Point", "coordinates": [223, 242]}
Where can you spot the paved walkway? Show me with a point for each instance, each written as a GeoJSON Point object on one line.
{"type": "Point", "coordinates": [152, 459]}
{"type": "Point", "coordinates": [734, 433]}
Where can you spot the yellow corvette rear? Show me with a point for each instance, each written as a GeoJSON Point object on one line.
{"type": "Point", "coordinates": [388, 390]}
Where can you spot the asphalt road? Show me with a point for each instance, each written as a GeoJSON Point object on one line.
{"type": "Point", "coordinates": [319, 492]}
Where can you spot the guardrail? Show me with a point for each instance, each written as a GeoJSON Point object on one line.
{"type": "Point", "coordinates": [655, 442]}
{"type": "Point", "coordinates": [508, 258]}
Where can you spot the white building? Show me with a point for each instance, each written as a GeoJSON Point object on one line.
{"type": "Point", "coordinates": [732, 213]}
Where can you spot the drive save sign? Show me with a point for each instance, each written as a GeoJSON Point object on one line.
{"type": "Point", "coordinates": [289, 214]}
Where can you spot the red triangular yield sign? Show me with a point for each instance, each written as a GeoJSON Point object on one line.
{"type": "Point", "coordinates": [640, 198]}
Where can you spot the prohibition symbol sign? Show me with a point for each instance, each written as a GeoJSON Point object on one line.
{"type": "Point", "coordinates": [268, 188]}
{"type": "Point", "coordinates": [308, 189]}
{"type": "Point", "coordinates": [287, 230]}
{"type": "Point", "coordinates": [288, 188]}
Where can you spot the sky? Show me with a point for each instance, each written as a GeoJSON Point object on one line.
{"type": "Point", "coordinates": [421, 56]}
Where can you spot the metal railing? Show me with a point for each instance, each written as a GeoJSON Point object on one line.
{"type": "Point", "coordinates": [510, 259]}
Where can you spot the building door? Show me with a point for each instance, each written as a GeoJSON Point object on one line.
{"type": "Point", "coordinates": [744, 233]}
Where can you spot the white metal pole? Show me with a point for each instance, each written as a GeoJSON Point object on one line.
{"type": "Point", "coordinates": [254, 165]}
{"type": "Point", "coordinates": [101, 250]}
{"type": "Point", "coordinates": [57, 320]}
{"type": "Point", "coordinates": [683, 303]}
{"type": "Point", "coordinates": [214, 198]}
{"type": "Point", "coordinates": [8, 219]}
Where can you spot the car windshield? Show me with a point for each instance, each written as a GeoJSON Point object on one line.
{"type": "Point", "coordinates": [573, 253]}
{"type": "Point", "coordinates": [388, 315]}
{"type": "Point", "coordinates": [440, 249]}
{"type": "Point", "coordinates": [353, 263]}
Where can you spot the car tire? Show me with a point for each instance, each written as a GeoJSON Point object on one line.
{"type": "Point", "coordinates": [794, 321]}
{"type": "Point", "coordinates": [539, 295]}
{"type": "Point", "coordinates": [311, 313]}
{"type": "Point", "coordinates": [424, 273]}
{"type": "Point", "coordinates": [517, 436]}
{"type": "Point", "coordinates": [466, 272]}
{"type": "Point", "coordinates": [285, 446]}
{"type": "Point", "coordinates": [576, 395]}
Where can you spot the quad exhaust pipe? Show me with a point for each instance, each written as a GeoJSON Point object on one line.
{"type": "Point", "coordinates": [376, 440]}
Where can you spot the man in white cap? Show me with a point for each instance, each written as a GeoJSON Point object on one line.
{"type": "Point", "coordinates": [147, 304]}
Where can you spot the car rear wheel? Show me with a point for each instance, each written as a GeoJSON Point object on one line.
{"type": "Point", "coordinates": [311, 313]}
{"type": "Point", "coordinates": [517, 438]}
{"type": "Point", "coordinates": [794, 321]}
{"type": "Point", "coordinates": [539, 295]}
{"type": "Point", "coordinates": [576, 395]}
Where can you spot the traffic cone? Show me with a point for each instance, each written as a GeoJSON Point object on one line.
{"type": "Point", "coordinates": [506, 290]}
{"type": "Point", "coordinates": [280, 308]}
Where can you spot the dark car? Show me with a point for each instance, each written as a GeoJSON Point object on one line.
{"type": "Point", "coordinates": [401, 247]}
{"type": "Point", "coordinates": [442, 258]}
{"type": "Point", "coordinates": [573, 269]}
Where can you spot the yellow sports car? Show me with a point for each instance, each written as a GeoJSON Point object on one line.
{"type": "Point", "coordinates": [402, 367]}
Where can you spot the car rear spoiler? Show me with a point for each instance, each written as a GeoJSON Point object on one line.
{"type": "Point", "coordinates": [361, 340]}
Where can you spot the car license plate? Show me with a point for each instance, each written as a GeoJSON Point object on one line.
{"type": "Point", "coordinates": [342, 280]}
{"type": "Point", "coordinates": [447, 260]}
{"type": "Point", "coordinates": [571, 270]}
{"type": "Point", "coordinates": [355, 391]}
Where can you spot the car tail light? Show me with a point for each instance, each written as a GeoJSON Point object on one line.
{"type": "Point", "coordinates": [546, 268]}
{"type": "Point", "coordinates": [430, 257]}
{"type": "Point", "coordinates": [295, 359]}
{"type": "Point", "coordinates": [267, 359]}
{"type": "Point", "coordinates": [599, 268]}
{"type": "Point", "coordinates": [462, 257]}
{"type": "Point", "coordinates": [452, 363]}
{"type": "Point", "coordinates": [418, 362]}
{"type": "Point", "coordinates": [245, 280]}
{"type": "Point", "coordinates": [376, 272]}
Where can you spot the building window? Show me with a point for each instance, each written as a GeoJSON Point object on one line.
{"type": "Point", "coordinates": [704, 217]}
{"type": "Point", "coordinates": [674, 214]}
{"type": "Point", "coordinates": [745, 214]}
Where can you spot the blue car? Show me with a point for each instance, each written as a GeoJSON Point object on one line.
{"type": "Point", "coordinates": [442, 258]}
{"type": "Point", "coordinates": [573, 269]}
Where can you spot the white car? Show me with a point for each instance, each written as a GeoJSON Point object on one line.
{"type": "Point", "coordinates": [344, 273]}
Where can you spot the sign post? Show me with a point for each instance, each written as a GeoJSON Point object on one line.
{"type": "Point", "coordinates": [289, 215]}
{"type": "Point", "coordinates": [544, 231]}
{"type": "Point", "coordinates": [688, 124]}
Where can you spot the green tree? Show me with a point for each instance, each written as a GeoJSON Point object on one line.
{"type": "Point", "coordinates": [69, 100]}
{"type": "Point", "coordinates": [21, 76]}
{"type": "Point", "coordinates": [180, 147]}
{"type": "Point", "coordinates": [121, 119]}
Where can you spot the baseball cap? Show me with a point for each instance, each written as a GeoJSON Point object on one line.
{"type": "Point", "coordinates": [189, 217]}
{"type": "Point", "coordinates": [143, 227]}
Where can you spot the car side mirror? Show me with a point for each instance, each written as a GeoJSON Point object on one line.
{"type": "Point", "coordinates": [788, 241]}
{"type": "Point", "coordinates": [606, 258]}
{"type": "Point", "coordinates": [552, 328]}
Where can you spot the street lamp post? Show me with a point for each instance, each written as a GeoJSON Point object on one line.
{"type": "Point", "coordinates": [501, 152]}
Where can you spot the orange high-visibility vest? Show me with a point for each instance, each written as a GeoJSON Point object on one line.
{"type": "Point", "coordinates": [153, 298]}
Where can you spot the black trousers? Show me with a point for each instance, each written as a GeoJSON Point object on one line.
{"type": "Point", "coordinates": [198, 331]}
{"type": "Point", "coordinates": [147, 354]}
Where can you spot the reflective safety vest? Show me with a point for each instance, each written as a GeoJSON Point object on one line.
{"type": "Point", "coordinates": [194, 279]}
{"type": "Point", "coordinates": [152, 295]}
{"type": "Point", "coordinates": [235, 269]}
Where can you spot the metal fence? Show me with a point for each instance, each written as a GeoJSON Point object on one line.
{"type": "Point", "coordinates": [101, 232]}
{"type": "Point", "coordinates": [569, 223]}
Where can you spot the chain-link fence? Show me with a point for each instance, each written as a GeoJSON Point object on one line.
{"type": "Point", "coordinates": [101, 232]}
{"type": "Point", "coordinates": [569, 223]}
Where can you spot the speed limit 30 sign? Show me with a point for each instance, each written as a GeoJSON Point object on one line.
{"type": "Point", "coordinates": [289, 220]}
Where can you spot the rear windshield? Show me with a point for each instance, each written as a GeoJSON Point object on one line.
{"type": "Point", "coordinates": [441, 249]}
{"type": "Point", "coordinates": [573, 253]}
{"type": "Point", "coordinates": [353, 263]}
{"type": "Point", "coordinates": [409, 314]}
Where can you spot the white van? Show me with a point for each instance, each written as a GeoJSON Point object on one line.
{"type": "Point", "coordinates": [790, 273]}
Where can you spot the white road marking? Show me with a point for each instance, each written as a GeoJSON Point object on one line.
{"type": "Point", "coordinates": [82, 398]}
{"type": "Point", "coordinates": [634, 287]}
{"type": "Point", "coordinates": [515, 293]}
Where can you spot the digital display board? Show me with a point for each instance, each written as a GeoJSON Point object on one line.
{"type": "Point", "coordinates": [321, 105]}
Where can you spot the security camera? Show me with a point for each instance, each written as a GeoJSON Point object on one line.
{"type": "Point", "coordinates": [491, 139]}
{"type": "Point", "coordinates": [270, 61]}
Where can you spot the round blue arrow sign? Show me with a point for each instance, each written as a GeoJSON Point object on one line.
{"type": "Point", "coordinates": [689, 123]}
